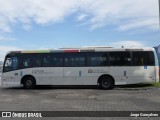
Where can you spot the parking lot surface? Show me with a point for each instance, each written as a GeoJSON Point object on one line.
{"type": "Point", "coordinates": [79, 98]}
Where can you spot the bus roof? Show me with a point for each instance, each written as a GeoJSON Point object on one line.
{"type": "Point", "coordinates": [83, 49]}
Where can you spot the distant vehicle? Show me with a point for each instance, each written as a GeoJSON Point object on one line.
{"type": "Point", "coordinates": [101, 66]}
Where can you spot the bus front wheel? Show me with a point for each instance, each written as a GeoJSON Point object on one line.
{"type": "Point", "coordinates": [29, 83]}
{"type": "Point", "coordinates": [106, 83]}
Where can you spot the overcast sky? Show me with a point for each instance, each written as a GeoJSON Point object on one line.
{"type": "Point", "coordinates": [48, 24]}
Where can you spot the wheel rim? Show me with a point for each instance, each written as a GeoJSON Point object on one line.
{"type": "Point", "coordinates": [106, 83]}
{"type": "Point", "coordinates": [29, 83]}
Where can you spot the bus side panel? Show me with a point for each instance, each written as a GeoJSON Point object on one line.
{"type": "Point", "coordinates": [45, 75]}
{"type": "Point", "coordinates": [119, 74]}
{"type": "Point", "coordinates": [141, 74]}
{"type": "Point", "coordinates": [11, 78]}
{"type": "Point", "coordinates": [157, 73]}
{"type": "Point", "coordinates": [132, 75]}
{"type": "Point", "coordinates": [157, 68]}
{"type": "Point", "coordinates": [83, 75]}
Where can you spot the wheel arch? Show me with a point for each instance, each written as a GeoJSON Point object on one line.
{"type": "Point", "coordinates": [25, 76]}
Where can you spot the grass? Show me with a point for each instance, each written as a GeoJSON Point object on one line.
{"type": "Point", "coordinates": [141, 85]}
{"type": "Point", "coordinates": [156, 84]}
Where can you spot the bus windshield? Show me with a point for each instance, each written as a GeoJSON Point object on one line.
{"type": "Point", "coordinates": [11, 63]}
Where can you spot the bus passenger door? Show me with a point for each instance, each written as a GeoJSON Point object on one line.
{"type": "Point", "coordinates": [11, 74]}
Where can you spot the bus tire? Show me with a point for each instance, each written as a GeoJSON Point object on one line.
{"type": "Point", "coordinates": [29, 83]}
{"type": "Point", "coordinates": [106, 83]}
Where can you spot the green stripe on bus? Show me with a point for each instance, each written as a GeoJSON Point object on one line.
{"type": "Point", "coordinates": [36, 51]}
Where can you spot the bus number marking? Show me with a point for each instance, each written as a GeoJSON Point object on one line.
{"type": "Point", "coordinates": [38, 71]}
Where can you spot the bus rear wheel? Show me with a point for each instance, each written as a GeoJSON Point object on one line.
{"type": "Point", "coordinates": [106, 83]}
{"type": "Point", "coordinates": [29, 83]}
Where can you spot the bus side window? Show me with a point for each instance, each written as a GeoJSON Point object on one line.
{"type": "Point", "coordinates": [120, 58]}
{"type": "Point", "coordinates": [46, 60]}
{"type": "Point", "coordinates": [150, 58]}
{"type": "Point", "coordinates": [136, 58]}
{"type": "Point", "coordinates": [142, 58]}
{"type": "Point", "coordinates": [26, 62]}
{"type": "Point", "coordinates": [97, 59]}
{"type": "Point", "coordinates": [30, 60]}
{"type": "Point", "coordinates": [57, 61]}
{"type": "Point", "coordinates": [15, 63]}
{"type": "Point", "coordinates": [37, 62]}
{"type": "Point", "coordinates": [74, 60]}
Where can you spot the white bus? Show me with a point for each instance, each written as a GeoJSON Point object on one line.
{"type": "Point", "coordinates": [105, 67]}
